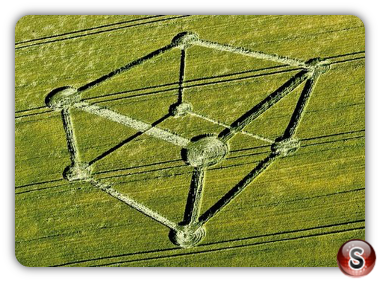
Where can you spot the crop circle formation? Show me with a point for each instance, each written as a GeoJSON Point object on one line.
{"type": "Point", "coordinates": [201, 152]}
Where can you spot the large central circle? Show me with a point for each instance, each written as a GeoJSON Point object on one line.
{"type": "Point", "coordinates": [205, 151]}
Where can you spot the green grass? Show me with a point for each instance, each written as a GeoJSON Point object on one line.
{"type": "Point", "coordinates": [297, 213]}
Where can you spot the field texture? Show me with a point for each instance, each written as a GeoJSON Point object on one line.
{"type": "Point", "coordinates": [188, 140]}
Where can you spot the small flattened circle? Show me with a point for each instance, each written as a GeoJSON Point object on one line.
{"type": "Point", "coordinates": [77, 172]}
{"type": "Point", "coordinates": [320, 65]}
{"type": "Point", "coordinates": [205, 151]}
{"type": "Point", "coordinates": [187, 238]}
{"type": "Point", "coordinates": [62, 97]}
{"type": "Point", "coordinates": [180, 109]}
{"type": "Point", "coordinates": [286, 146]}
{"type": "Point", "coordinates": [184, 39]}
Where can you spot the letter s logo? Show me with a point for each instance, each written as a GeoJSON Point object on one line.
{"type": "Point", "coordinates": [356, 261]}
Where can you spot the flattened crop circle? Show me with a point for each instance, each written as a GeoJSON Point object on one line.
{"type": "Point", "coordinates": [187, 238]}
{"type": "Point", "coordinates": [62, 97]}
{"type": "Point", "coordinates": [205, 151]}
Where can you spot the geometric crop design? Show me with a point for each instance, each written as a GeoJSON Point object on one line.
{"type": "Point", "coordinates": [200, 152]}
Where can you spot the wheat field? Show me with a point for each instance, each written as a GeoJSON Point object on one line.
{"type": "Point", "coordinates": [131, 138]}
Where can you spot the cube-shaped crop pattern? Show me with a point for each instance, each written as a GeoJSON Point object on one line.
{"type": "Point", "coordinates": [201, 152]}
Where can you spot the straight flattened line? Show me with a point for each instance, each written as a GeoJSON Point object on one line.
{"type": "Point", "coordinates": [256, 162]}
{"type": "Point", "coordinates": [186, 87]}
{"type": "Point", "coordinates": [184, 82]}
{"type": "Point", "coordinates": [39, 189]}
{"type": "Point", "coordinates": [114, 148]}
{"type": "Point", "coordinates": [182, 166]}
{"type": "Point", "coordinates": [70, 136]}
{"type": "Point", "coordinates": [141, 172]}
{"type": "Point", "coordinates": [181, 75]}
{"type": "Point", "coordinates": [170, 89]}
{"type": "Point", "coordinates": [271, 204]}
{"type": "Point", "coordinates": [332, 135]}
{"type": "Point", "coordinates": [114, 94]}
{"type": "Point", "coordinates": [286, 232]}
{"type": "Point", "coordinates": [136, 124]}
{"type": "Point", "coordinates": [38, 183]}
{"type": "Point", "coordinates": [135, 205]}
{"type": "Point", "coordinates": [240, 123]}
{"type": "Point", "coordinates": [127, 140]}
{"type": "Point", "coordinates": [323, 110]}
{"type": "Point", "coordinates": [237, 73]}
{"type": "Point", "coordinates": [241, 78]}
{"type": "Point", "coordinates": [167, 136]}
{"type": "Point", "coordinates": [33, 114]}
{"type": "Point", "coordinates": [347, 54]}
{"type": "Point", "coordinates": [139, 166]}
{"type": "Point", "coordinates": [314, 197]}
{"type": "Point", "coordinates": [237, 189]}
{"type": "Point", "coordinates": [259, 137]}
{"type": "Point", "coordinates": [160, 86]}
{"type": "Point", "coordinates": [230, 240]}
{"type": "Point", "coordinates": [98, 32]}
{"type": "Point", "coordinates": [243, 246]}
{"type": "Point", "coordinates": [159, 91]}
{"type": "Point", "coordinates": [333, 141]}
{"type": "Point", "coordinates": [213, 243]}
{"type": "Point", "coordinates": [192, 86]}
{"type": "Point", "coordinates": [301, 146]}
{"type": "Point", "coordinates": [312, 34]}
{"type": "Point", "coordinates": [304, 145]}
{"type": "Point", "coordinates": [234, 247]}
{"type": "Point", "coordinates": [126, 67]}
{"type": "Point", "coordinates": [111, 257]}
{"type": "Point", "coordinates": [86, 29]}
{"type": "Point", "coordinates": [347, 60]}
{"type": "Point", "coordinates": [137, 95]}
{"type": "Point", "coordinates": [26, 110]}
{"type": "Point", "coordinates": [195, 85]}
{"type": "Point", "coordinates": [177, 160]}
{"type": "Point", "coordinates": [302, 102]}
{"type": "Point", "coordinates": [250, 53]}
{"type": "Point", "coordinates": [194, 198]}
{"type": "Point", "coordinates": [137, 90]}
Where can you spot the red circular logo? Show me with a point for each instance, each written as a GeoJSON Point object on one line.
{"type": "Point", "coordinates": [356, 258]}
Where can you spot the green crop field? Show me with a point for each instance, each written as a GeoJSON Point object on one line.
{"type": "Point", "coordinates": [188, 140]}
